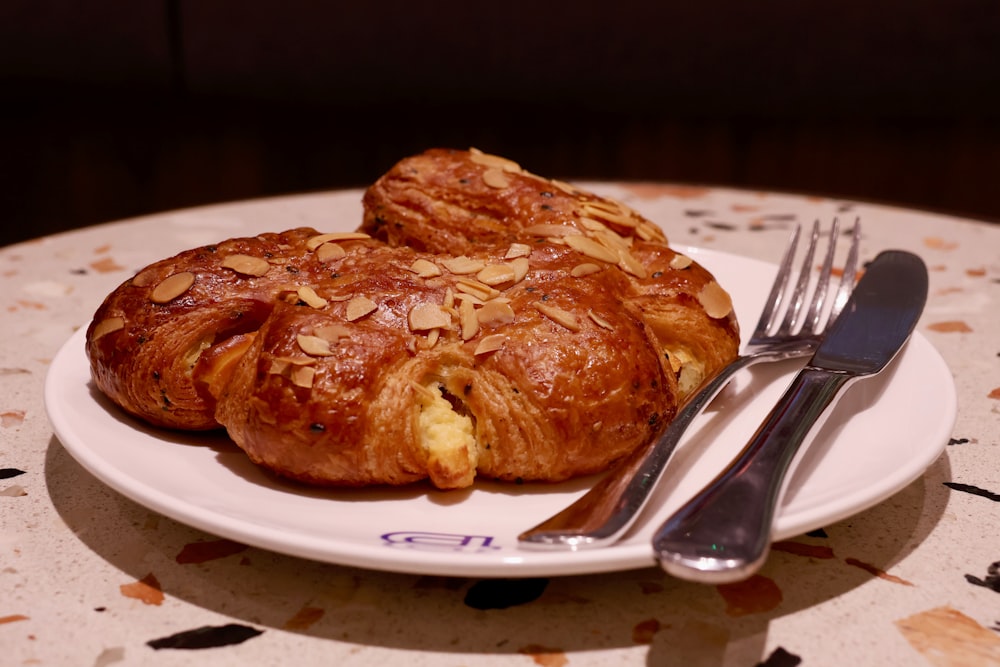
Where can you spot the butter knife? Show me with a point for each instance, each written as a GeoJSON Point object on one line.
{"type": "Point", "coordinates": [722, 534]}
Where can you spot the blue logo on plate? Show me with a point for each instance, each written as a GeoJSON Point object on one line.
{"type": "Point", "coordinates": [439, 541]}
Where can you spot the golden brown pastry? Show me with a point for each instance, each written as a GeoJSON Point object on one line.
{"type": "Point", "coordinates": [483, 321]}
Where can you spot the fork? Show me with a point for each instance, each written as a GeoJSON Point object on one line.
{"type": "Point", "coordinates": [602, 515]}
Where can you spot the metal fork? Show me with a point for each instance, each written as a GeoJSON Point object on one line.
{"type": "Point", "coordinates": [602, 515]}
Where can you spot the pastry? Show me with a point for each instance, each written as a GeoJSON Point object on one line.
{"type": "Point", "coordinates": [482, 322]}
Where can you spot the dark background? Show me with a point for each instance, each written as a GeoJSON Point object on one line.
{"type": "Point", "coordinates": [115, 109]}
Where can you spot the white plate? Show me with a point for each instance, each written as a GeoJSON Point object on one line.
{"type": "Point", "coordinates": [884, 433]}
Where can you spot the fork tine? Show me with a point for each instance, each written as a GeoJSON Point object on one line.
{"type": "Point", "coordinates": [812, 322]}
{"type": "Point", "coordinates": [792, 315]}
{"type": "Point", "coordinates": [849, 272]}
{"type": "Point", "coordinates": [777, 296]}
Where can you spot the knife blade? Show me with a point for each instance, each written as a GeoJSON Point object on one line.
{"type": "Point", "coordinates": [723, 533]}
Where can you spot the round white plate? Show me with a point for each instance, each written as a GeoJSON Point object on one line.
{"type": "Point", "coordinates": [882, 435]}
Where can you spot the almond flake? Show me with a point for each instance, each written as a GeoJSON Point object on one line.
{"type": "Point", "coordinates": [558, 315]}
{"type": "Point", "coordinates": [463, 265]}
{"type": "Point", "coordinates": [520, 266]}
{"type": "Point", "coordinates": [518, 250]}
{"type": "Point", "coordinates": [592, 225]}
{"type": "Point", "coordinates": [680, 261]}
{"type": "Point", "coordinates": [106, 326]}
{"type": "Point", "coordinates": [495, 313]}
{"type": "Point", "coordinates": [463, 297]}
{"type": "Point", "coordinates": [495, 178]}
{"type": "Point", "coordinates": [600, 321]}
{"type": "Point", "coordinates": [172, 287]}
{"type": "Point", "coordinates": [144, 278]}
{"type": "Point", "coordinates": [630, 264]}
{"type": "Point", "coordinates": [425, 268]}
{"type": "Point", "coordinates": [549, 230]}
{"type": "Point", "coordinates": [329, 252]}
{"type": "Point", "coordinates": [247, 265]}
{"type": "Point", "coordinates": [610, 211]}
{"type": "Point", "coordinates": [432, 338]}
{"type": "Point", "coordinates": [715, 300]}
{"type": "Point", "coordinates": [564, 186]}
{"type": "Point", "coordinates": [585, 269]}
{"type": "Point", "coordinates": [495, 161]}
{"type": "Point", "coordinates": [592, 249]}
{"type": "Point", "coordinates": [468, 319]}
{"type": "Point", "coordinates": [308, 296]}
{"type": "Point", "coordinates": [496, 274]}
{"type": "Point", "coordinates": [314, 242]}
{"type": "Point", "coordinates": [358, 307]}
{"type": "Point", "coordinates": [303, 376]}
{"type": "Point", "coordinates": [314, 345]}
{"type": "Point", "coordinates": [332, 332]}
{"type": "Point", "coordinates": [648, 232]}
{"type": "Point", "coordinates": [427, 316]}
{"type": "Point", "coordinates": [490, 343]}
{"type": "Point", "coordinates": [477, 289]}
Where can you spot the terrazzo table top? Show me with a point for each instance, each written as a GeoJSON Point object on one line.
{"type": "Point", "coordinates": [90, 577]}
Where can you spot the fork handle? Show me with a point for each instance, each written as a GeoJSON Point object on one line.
{"type": "Point", "coordinates": [722, 534]}
{"type": "Point", "coordinates": [604, 513]}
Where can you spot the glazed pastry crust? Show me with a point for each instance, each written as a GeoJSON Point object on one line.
{"type": "Point", "coordinates": [328, 358]}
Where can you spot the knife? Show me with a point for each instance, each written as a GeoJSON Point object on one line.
{"type": "Point", "coordinates": [722, 535]}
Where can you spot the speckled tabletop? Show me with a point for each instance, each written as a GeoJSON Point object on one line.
{"type": "Point", "coordinates": [90, 577]}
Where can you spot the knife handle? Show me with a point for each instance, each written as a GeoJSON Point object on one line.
{"type": "Point", "coordinates": [722, 534]}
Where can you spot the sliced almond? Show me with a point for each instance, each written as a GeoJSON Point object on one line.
{"type": "Point", "coordinates": [558, 315]}
{"type": "Point", "coordinates": [495, 161]}
{"type": "Point", "coordinates": [463, 265]}
{"type": "Point", "coordinates": [600, 321]}
{"type": "Point", "coordinates": [314, 345]}
{"type": "Point", "coordinates": [490, 343]}
{"type": "Point", "coordinates": [358, 307]}
{"type": "Point", "coordinates": [550, 230]}
{"type": "Point", "coordinates": [585, 269]}
{"type": "Point", "coordinates": [144, 278]}
{"type": "Point", "coordinates": [592, 225]}
{"type": "Point", "coordinates": [715, 300]}
{"type": "Point", "coordinates": [432, 338]}
{"type": "Point", "coordinates": [303, 376]}
{"type": "Point", "coordinates": [449, 299]}
{"type": "Point", "coordinates": [246, 265]}
{"type": "Point", "coordinates": [332, 332]}
{"type": "Point", "coordinates": [680, 261]}
{"type": "Point", "coordinates": [427, 316]}
{"type": "Point", "coordinates": [564, 186]}
{"type": "Point", "coordinates": [611, 211]}
{"type": "Point", "coordinates": [496, 178]}
{"type": "Point", "coordinates": [521, 266]}
{"type": "Point", "coordinates": [463, 297]}
{"type": "Point", "coordinates": [172, 287]}
{"type": "Point", "coordinates": [106, 326]}
{"type": "Point", "coordinates": [609, 238]}
{"type": "Point", "coordinates": [630, 264]}
{"type": "Point", "coordinates": [518, 250]}
{"type": "Point", "coordinates": [308, 296]}
{"type": "Point", "coordinates": [496, 274]}
{"type": "Point", "coordinates": [314, 242]}
{"type": "Point", "coordinates": [477, 289]}
{"type": "Point", "coordinates": [592, 249]}
{"type": "Point", "coordinates": [649, 232]}
{"type": "Point", "coordinates": [468, 319]}
{"type": "Point", "coordinates": [425, 268]}
{"type": "Point", "coordinates": [329, 252]}
{"type": "Point", "coordinates": [495, 313]}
